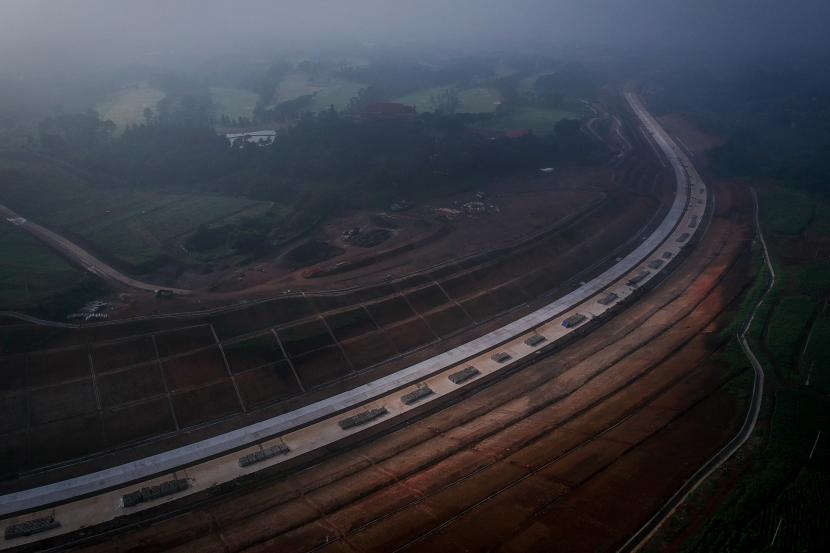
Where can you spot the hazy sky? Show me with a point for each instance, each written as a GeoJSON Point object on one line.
{"type": "Point", "coordinates": [139, 28]}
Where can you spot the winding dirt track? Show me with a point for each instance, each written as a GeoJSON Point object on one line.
{"type": "Point", "coordinates": [572, 453]}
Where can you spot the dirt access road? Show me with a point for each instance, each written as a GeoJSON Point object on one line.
{"type": "Point", "coordinates": [79, 255]}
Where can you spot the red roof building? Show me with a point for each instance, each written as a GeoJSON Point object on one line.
{"type": "Point", "coordinates": [517, 134]}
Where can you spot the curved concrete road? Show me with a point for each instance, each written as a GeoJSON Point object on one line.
{"type": "Point", "coordinates": [78, 255]}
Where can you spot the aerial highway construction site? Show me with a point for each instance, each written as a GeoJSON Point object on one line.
{"type": "Point", "coordinates": [559, 388]}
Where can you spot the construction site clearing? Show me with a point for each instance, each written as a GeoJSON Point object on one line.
{"type": "Point", "coordinates": [576, 448]}
{"type": "Point", "coordinates": [293, 343]}
{"type": "Point", "coordinates": [144, 385]}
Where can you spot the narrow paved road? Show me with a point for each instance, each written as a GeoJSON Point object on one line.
{"type": "Point", "coordinates": [78, 255]}
{"type": "Point", "coordinates": [645, 533]}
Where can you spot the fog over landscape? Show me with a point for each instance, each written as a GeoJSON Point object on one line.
{"type": "Point", "coordinates": [415, 275]}
{"type": "Point", "coordinates": [135, 31]}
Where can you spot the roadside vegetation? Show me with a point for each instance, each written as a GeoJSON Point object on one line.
{"type": "Point", "coordinates": [781, 502]}
{"type": "Point", "coordinates": [773, 136]}
{"type": "Point", "coordinates": [137, 228]}
{"type": "Point", "coordinates": [34, 277]}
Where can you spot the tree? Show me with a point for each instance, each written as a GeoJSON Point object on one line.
{"type": "Point", "coordinates": [75, 132]}
{"type": "Point", "coordinates": [149, 116]}
{"type": "Point", "coordinates": [358, 102]}
{"type": "Point", "coordinates": [446, 102]}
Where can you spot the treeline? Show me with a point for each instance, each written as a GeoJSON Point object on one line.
{"type": "Point", "coordinates": [775, 118]}
{"type": "Point", "coordinates": [329, 155]}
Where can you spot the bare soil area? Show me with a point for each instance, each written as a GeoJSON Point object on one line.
{"type": "Point", "coordinates": [373, 246]}
{"type": "Point", "coordinates": [573, 452]}
{"type": "Point", "coordinates": [192, 376]}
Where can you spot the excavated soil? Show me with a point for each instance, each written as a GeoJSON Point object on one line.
{"type": "Point", "coordinates": [573, 452]}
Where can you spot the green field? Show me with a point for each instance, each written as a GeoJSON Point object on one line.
{"type": "Point", "coordinates": [327, 91]}
{"type": "Point", "coordinates": [336, 93]}
{"type": "Point", "coordinates": [479, 100]}
{"type": "Point", "coordinates": [141, 236]}
{"type": "Point", "coordinates": [787, 212]}
{"type": "Point", "coordinates": [29, 271]}
{"type": "Point", "coordinates": [784, 489]}
{"type": "Point", "coordinates": [539, 120]}
{"type": "Point", "coordinates": [136, 227]}
{"type": "Point", "coordinates": [472, 100]}
{"type": "Point", "coordinates": [821, 220]}
{"type": "Point", "coordinates": [233, 102]}
{"type": "Point", "coordinates": [814, 280]}
{"type": "Point", "coordinates": [799, 515]}
{"type": "Point", "coordinates": [293, 86]}
{"type": "Point", "coordinates": [786, 327]}
{"type": "Point", "coordinates": [126, 107]}
{"type": "Point", "coordinates": [816, 362]}
{"type": "Point", "coordinates": [786, 484]}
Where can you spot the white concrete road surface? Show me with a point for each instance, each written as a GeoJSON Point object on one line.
{"type": "Point", "coordinates": [316, 425]}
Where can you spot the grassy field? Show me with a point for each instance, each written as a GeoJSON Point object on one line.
{"type": "Point", "coordinates": [472, 100]}
{"type": "Point", "coordinates": [821, 220]}
{"type": "Point", "coordinates": [336, 93]}
{"type": "Point", "coordinates": [775, 487]}
{"type": "Point", "coordinates": [539, 120]}
{"type": "Point", "coordinates": [786, 328]}
{"type": "Point", "coordinates": [233, 102]}
{"type": "Point", "coordinates": [814, 280]}
{"type": "Point", "coordinates": [783, 485]}
{"type": "Point", "coordinates": [142, 236]}
{"type": "Point", "coordinates": [327, 91]}
{"type": "Point", "coordinates": [816, 361]}
{"type": "Point", "coordinates": [479, 100]}
{"type": "Point", "coordinates": [293, 86]}
{"type": "Point", "coordinates": [182, 216]}
{"type": "Point", "coordinates": [29, 271]}
{"type": "Point", "coordinates": [787, 213]}
{"type": "Point", "coordinates": [798, 516]}
{"type": "Point", "coordinates": [126, 106]}
{"type": "Point", "coordinates": [136, 227]}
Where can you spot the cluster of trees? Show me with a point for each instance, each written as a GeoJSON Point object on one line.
{"type": "Point", "coordinates": [321, 163]}
{"type": "Point", "coordinates": [776, 120]}
{"type": "Point", "coordinates": [65, 134]}
{"type": "Point", "coordinates": [446, 101]}
{"type": "Point", "coordinates": [325, 155]}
